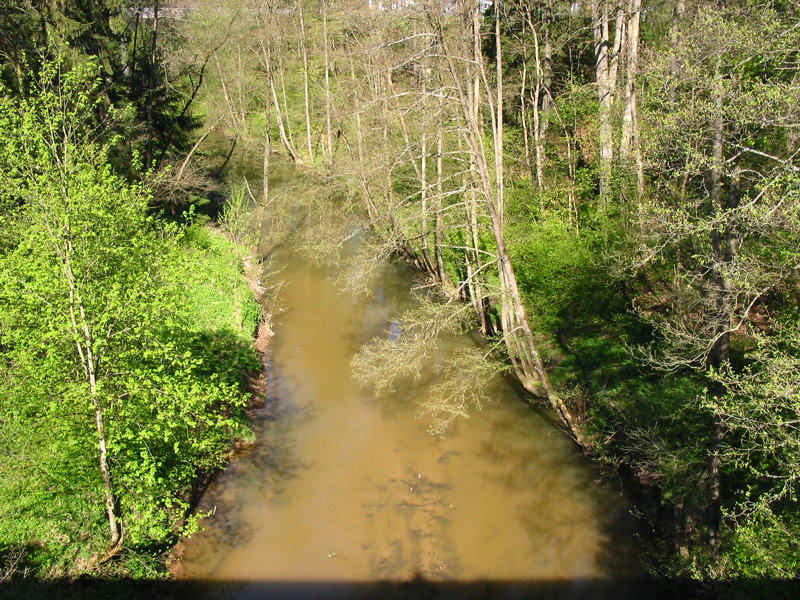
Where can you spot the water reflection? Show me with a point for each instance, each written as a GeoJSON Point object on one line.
{"type": "Point", "coordinates": [346, 496]}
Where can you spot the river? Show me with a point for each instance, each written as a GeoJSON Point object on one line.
{"type": "Point", "coordinates": [347, 496]}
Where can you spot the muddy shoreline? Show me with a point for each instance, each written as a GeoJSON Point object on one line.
{"type": "Point", "coordinates": [257, 385]}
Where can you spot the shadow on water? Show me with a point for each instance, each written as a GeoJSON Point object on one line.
{"type": "Point", "coordinates": [267, 467]}
{"type": "Point", "coordinates": [416, 589]}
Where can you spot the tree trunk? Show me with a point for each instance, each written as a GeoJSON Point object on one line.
{"type": "Point", "coordinates": [267, 42]}
{"type": "Point", "coordinates": [537, 121]}
{"type": "Point", "coordinates": [287, 120]}
{"type": "Point", "coordinates": [547, 80]}
{"type": "Point", "coordinates": [441, 273]}
{"type": "Point", "coordinates": [631, 65]}
{"type": "Point", "coordinates": [279, 118]}
{"type": "Point", "coordinates": [327, 67]}
{"type": "Point", "coordinates": [477, 57]}
{"type": "Point", "coordinates": [108, 486]}
{"type": "Point", "coordinates": [498, 132]}
{"type": "Point", "coordinates": [724, 247]}
{"type": "Point", "coordinates": [629, 144]}
{"type": "Point", "coordinates": [403, 125]}
{"type": "Point", "coordinates": [426, 257]}
{"type": "Point", "coordinates": [85, 347]}
{"type": "Point", "coordinates": [306, 99]}
{"type": "Point", "coordinates": [267, 150]}
{"type": "Point", "coordinates": [372, 211]}
{"type": "Point", "coordinates": [523, 118]}
{"type": "Point", "coordinates": [472, 252]}
{"type": "Point", "coordinates": [149, 152]}
{"type": "Point", "coordinates": [518, 335]}
{"type": "Point", "coordinates": [606, 78]}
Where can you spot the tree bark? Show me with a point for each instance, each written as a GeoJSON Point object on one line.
{"type": "Point", "coordinates": [547, 80]}
{"type": "Point", "coordinates": [151, 82]}
{"type": "Point", "coordinates": [518, 334]}
{"type": "Point", "coordinates": [629, 143]}
{"type": "Point", "coordinates": [537, 121]}
{"type": "Point", "coordinates": [85, 346]}
{"type": "Point", "coordinates": [498, 132]}
{"type": "Point", "coordinates": [327, 67]}
{"type": "Point", "coordinates": [279, 118]}
{"type": "Point", "coordinates": [306, 98]}
{"type": "Point", "coordinates": [441, 273]}
{"type": "Point", "coordinates": [267, 149]}
{"type": "Point", "coordinates": [606, 62]}
{"type": "Point", "coordinates": [724, 247]}
{"type": "Point", "coordinates": [631, 65]}
{"type": "Point", "coordinates": [287, 120]}
{"type": "Point", "coordinates": [426, 257]}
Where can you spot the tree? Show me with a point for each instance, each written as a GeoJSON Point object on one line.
{"type": "Point", "coordinates": [517, 332]}
{"type": "Point", "coordinates": [720, 106]}
{"type": "Point", "coordinates": [761, 412]}
{"type": "Point", "coordinates": [94, 343]}
{"type": "Point", "coordinates": [607, 50]}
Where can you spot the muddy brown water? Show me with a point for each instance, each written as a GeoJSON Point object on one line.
{"type": "Point", "coordinates": [347, 496]}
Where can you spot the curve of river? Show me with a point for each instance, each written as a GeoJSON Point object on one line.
{"type": "Point", "coordinates": [347, 496]}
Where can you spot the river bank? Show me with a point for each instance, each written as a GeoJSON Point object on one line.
{"type": "Point", "coordinates": [255, 381]}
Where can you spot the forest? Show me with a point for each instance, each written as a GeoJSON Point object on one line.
{"type": "Point", "coordinates": [608, 190]}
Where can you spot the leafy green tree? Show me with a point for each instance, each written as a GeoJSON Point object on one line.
{"type": "Point", "coordinates": [762, 413]}
{"type": "Point", "coordinates": [719, 229]}
{"type": "Point", "coordinates": [80, 28]}
{"type": "Point", "coordinates": [110, 403]}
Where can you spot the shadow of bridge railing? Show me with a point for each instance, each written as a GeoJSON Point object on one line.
{"type": "Point", "coordinates": [417, 589]}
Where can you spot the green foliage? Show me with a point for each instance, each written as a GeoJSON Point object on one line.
{"type": "Point", "coordinates": [585, 263]}
{"type": "Point", "coordinates": [106, 314]}
{"type": "Point", "coordinates": [562, 273]}
{"type": "Point", "coordinates": [236, 216]}
{"type": "Point", "coordinates": [77, 29]}
{"type": "Point", "coordinates": [762, 412]}
{"type": "Point", "coordinates": [765, 545]}
{"type": "Point", "coordinates": [719, 231]}
{"type": "Point", "coordinates": [146, 75]}
{"type": "Point", "coordinates": [219, 299]}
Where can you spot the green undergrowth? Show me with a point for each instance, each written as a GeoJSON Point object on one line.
{"type": "Point", "coordinates": [221, 314]}
{"type": "Point", "coordinates": [653, 427]}
{"type": "Point", "coordinates": [178, 411]}
{"type": "Point", "coordinates": [593, 341]}
{"type": "Point", "coordinates": [218, 298]}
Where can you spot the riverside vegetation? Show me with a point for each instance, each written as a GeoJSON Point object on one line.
{"type": "Point", "coordinates": [124, 332]}
{"type": "Point", "coordinates": [608, 190]}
